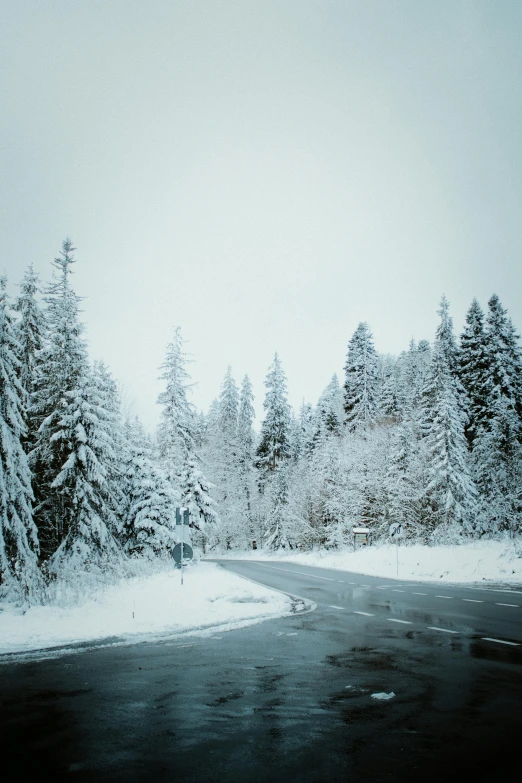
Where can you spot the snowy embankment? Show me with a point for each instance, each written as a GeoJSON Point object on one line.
{"type": "Point", "coordinates": [145, 608]}
{"type": "Point", "coordinates": [479, 561]}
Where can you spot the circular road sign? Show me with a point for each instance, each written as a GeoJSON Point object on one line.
{"type": "Point", "coordinates": [187, 553]}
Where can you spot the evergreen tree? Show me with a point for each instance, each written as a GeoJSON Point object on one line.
{"type": "Point", "coordinates": [497, 456]}
{"type": "Point", "coordinates": [504, 359]}
{"type": "Point", "coordinates": [307, 430]}
{"type": "Point", "coordinates": [361, 384]}
{"type": "Point", "coordinates": [176, 433]}
{"type": "Point", "coordinates": [329, 411]}
{"type": "Point", "coordinates": [245, 442]}
{"type": "Point", "coordinates": [195, 495]}
{"type": "Point", "coordinates": [20, 579]}
{"type": "Point", "coordinates": [150, 502]}
{"type": "Point", "coordinates": [389, 396]}
{"type": "Point", "coordinates": [30, 331]}
{"type": "Point", "coordinates": [64, 368]}
{"type": "Point", "coordinates": [474, 368]}
{"type": "Point", "coordinates": [83, 430]}
{"type": "Point", "coordinates": [274, 446]}
{"type": "Point", "coordinates": [451, 492]}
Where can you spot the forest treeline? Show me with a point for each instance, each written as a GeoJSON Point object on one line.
{"type": "Point", "coordinates": [431, 439]}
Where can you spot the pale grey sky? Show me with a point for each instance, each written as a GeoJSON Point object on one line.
{"type": "Point", "coordinates": [265, 174]}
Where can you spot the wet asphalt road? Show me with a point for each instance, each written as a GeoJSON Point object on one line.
{"type": "Point", "coordinates": [288, 699]}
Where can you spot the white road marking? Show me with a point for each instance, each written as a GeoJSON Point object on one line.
{"type": "Point", "coordinates": [332, 606]}
{"type": "Point", "coordinates": [500, 641]}
{"type": "Point", "coordinates": [341, 580]}
{"type": "Point", "coordinates": [398, 591]}
{"type": "Point", "coordinates": [414, 593]}
{"type": "Point", "coordinates": [301, 573]}
{"type": "Point", "coordinates": [516, 605]}
{"type": "Point", "coordinates": [444, 630]}
{"type": "Point", "coordinates": [473, 600]}
{"type": "Point", "coordinates": [381, 588]}
{"type": "Point", "coordinates": [365, 585]}
{"type": "Point", "coordinates": [443, 596]}
{"type": "Point", "coordinates": [393, 620]}
{"type": "Point", "coordinates": [366, 614]}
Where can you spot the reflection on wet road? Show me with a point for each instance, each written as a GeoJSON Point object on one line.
{"type": "Point", "coordinates": [289, 699]}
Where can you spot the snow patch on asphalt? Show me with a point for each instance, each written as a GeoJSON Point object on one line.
{"type": "Point", "coordinates": [145, 608]}
{"type": "Point", "coordinates": [383, 696]}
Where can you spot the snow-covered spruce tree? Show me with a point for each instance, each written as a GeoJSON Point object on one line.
{"type": "Point", "coordinates": [63, 369]}
{"type": "Point", "coordinates": [361, 384]}
{"type": "Point", "coordinates": [195, 495]}
{"type": "Point", "coordinates": [450, 490]}
{"type": "Point", "coordinates": [30, 333]}
{"type": "Point", "coordinates": [307, 430]}
{"type": "Point", "coordinates": [225, 472]}
{"type": "Point", "coordinates": [20, 578]}
{"type": "Point", "coordinates": [84, 430]}
{"type": "Point", "coordinates": [497, 457]}
{"type": "Point", "coordinates": [150, 501]}
{"type": "Point", "coordinates": [329, 412]}
{"type": "Point", "coordinates": [474, 368]}
{"type": "Point", "coordinates": [389, 396]}
{"type": "Point", "coordinates": [504, 360]}
{"type": "Point", "coordinates": [246, 446]}
{"type": "Point", "coordinates": [176, 432]}
{"type": "Point", "coordinates": [285, 527]}
{"type": "Point", "coordinates": [274, 447]}
{"type": "Point", "coordinates": [177, 441]}
{"type": "Point", "coordinates": [405, 480]}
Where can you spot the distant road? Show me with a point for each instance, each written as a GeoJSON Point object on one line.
{"type": "Point", "coordinates": [287, 699]}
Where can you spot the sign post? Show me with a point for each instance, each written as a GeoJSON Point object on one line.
{"type": "Point", "coordinates": [396, 531]}
{"type": "Point", "coordinates": [182, 518]}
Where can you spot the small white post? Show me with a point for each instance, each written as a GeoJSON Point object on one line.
{"type": "Point", "coordinates": [182, 526]}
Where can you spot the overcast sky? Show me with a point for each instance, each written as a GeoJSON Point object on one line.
{"type": "Point", "coordinates": [264, 174]}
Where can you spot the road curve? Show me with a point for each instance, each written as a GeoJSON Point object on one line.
{"type": "Point", "coordinates": [289, 699]}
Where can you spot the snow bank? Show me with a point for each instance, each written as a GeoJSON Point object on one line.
{"type": "Point", "coordinates": [144, 608]}
{"type": "Point", "coordinates": [479, 561]}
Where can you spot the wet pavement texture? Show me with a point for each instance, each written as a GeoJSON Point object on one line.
{"type": "Point", "coordinates": [287, 699]}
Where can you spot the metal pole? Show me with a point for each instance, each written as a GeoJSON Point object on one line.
{"type": "Point", "coordinates": [397, 554]}
{"type": "Point", "coordinates": [182, 526]}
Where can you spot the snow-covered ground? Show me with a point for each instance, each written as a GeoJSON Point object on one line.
{"type": "Point", "coordinates": [155, 606]}
{"type": "Point", "coordinates": [479, 561]}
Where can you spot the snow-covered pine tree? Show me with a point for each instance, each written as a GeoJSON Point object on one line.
{"type": "Point", "coordinates": [63, 370]}
{"type": "Point", "coordinates": [361, 384]}
{"type": "Point", "coordinates": [274, 447]}
{"type": "Point", "coordinates": [497, 456]}
{"type": "Point", "coordinates": [150, 501]}
{"type": "Point", "coordinates": [307, 430]}
{"type": "Point", "coordinates": [445, 337]}
{"type": "Point", "coordinates": [176, 432]}
{"type": "Point", "coordinates": [450, 489]}
{"type": "Point", "coordinates": [20, 578]}
{"type": "Point", "coordinates": [195, 495]}
{"type": "Point", "coordinates": [329, 412]}
{"type": "Point", "coordinates": [388, 399]}
{"type": "Point", "coordinates": [474, 368]}
{"type": "Point", "coordinates": [30, 333]}
{"type": "Point", "coordinates": [245, 442]}
{"type": "Point", "coordinates": [225, 474]}
{"type": "Point", "coordinates": [83, 430]}
{"type": "Point", "coordinates": [504, 359]}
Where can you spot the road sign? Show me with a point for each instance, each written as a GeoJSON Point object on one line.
{"type": "Point", "coordinates": [187, 553]}
{"type": "Point", "coordinates": [182, 516]}
{"type": "Point", "coordinates": [396, 530]}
